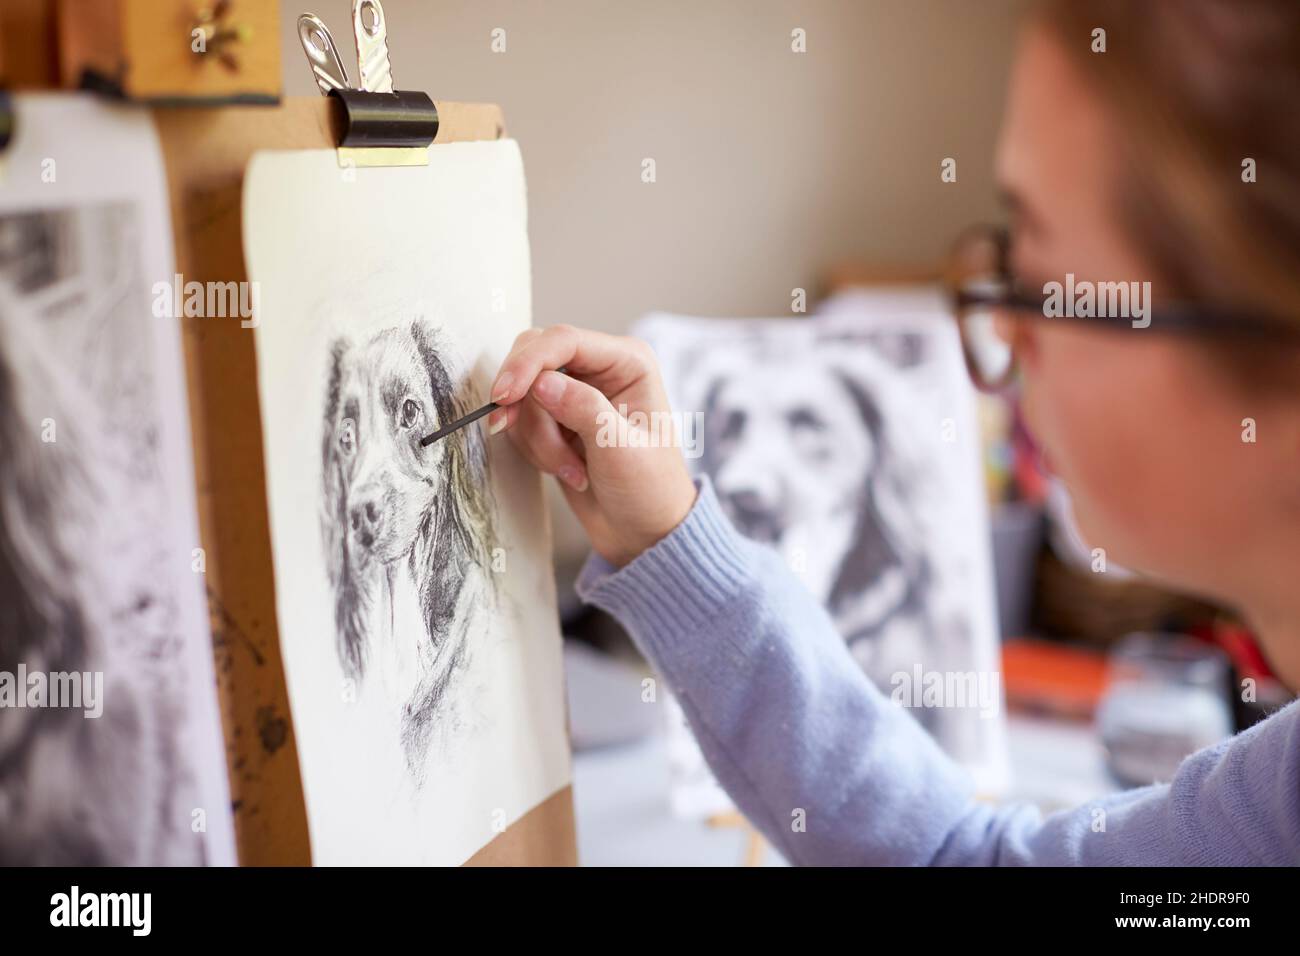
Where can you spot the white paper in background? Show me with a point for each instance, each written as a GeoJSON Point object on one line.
{"type": "Point", "coordinates": [414, 587]}
{"type": "Point", "coordinates": [97, 510]}
{"type": "Point", "coordinates": [848, 441]}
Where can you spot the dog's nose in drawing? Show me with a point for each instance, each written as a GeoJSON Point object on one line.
{"type": "Point", "coordinates": [752, 513]}
{"type": "Point", "coordinates": [366, 518]}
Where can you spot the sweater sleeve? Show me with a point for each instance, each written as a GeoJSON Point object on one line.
{"type": "Point", "coordinates": [835, 774]}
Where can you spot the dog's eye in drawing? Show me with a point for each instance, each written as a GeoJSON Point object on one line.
{"type": "Point", "coordinates": [809, 435]}
{"type": "Point", "coordinates": [410, 413]}
{"type": "Point", "coordinates": [347, 436]}
{"type": "Point", "coordinates": [803, 418]}
{"type": "Point", "coordinates": [733, 425]}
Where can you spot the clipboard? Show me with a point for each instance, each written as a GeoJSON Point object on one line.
{"type": "Point", "coordinates": [206, 149]}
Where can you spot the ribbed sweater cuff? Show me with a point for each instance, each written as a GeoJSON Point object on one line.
{"type": "Point", "coordinates": [679, 584]}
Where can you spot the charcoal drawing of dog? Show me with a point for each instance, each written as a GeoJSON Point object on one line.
{"type": "Point", "coordinates": [804, 457]}
{"type": "Point", "coordinates": [407, 531]}
{"type": "Point", "coordinates": [74, 790]}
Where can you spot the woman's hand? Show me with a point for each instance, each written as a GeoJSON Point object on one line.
{"type": "Point", "coordinates": [574, 425]}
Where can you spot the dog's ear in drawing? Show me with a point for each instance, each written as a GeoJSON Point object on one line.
{"type": "Point", "coordinates": [52, 606]}
{"type": "Point", "coordinates": [352, 596]}
{"type": "Point", "coordinates": [709, 460]}
{"type": "Point", "coordinates": [453, 552]}
{"type": "Point", "coordinates": [47, 497]}
{"type": "Point", "coordinates": [460, 531]}
{"type": "Point", "coordinates": [883, 535]}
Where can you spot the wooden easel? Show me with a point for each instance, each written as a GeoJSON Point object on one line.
{"type": "Point", "coordinates": [206, 149]}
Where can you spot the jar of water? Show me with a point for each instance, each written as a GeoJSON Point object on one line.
{"type": "Point", "coordinates": [1166, 697]}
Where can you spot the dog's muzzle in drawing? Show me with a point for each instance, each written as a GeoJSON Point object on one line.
{"type": "Point", "coordinates": [753, 514]}
{"type": "Point", "coordinates": [366, 519]}
{"type": "Point", "coordinates": [385, 515]}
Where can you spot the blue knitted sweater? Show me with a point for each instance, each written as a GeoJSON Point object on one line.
{"type": "Point", "coordinates": [834, 773]}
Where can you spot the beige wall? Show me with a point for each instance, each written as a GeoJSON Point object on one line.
{"type": "Point", "coordinates": [771, 165]}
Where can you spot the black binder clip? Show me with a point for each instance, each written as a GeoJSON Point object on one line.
{"type": "Point", "coordinates": [378, 126]}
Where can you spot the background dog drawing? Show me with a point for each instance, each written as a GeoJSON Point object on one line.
{"type": "Point", "coordinates": [79, 559]}
{"type": "Point", "coordinates": [407, 530]}
{"type": "Point", "coordinates": [823, 445]}
{"type": "Point", "coordinates": [803, 458]}
{"type": "Point", "coordinates": [809, 470]}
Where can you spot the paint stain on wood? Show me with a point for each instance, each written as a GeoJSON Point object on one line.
{"type": "Point", "coordinates": [272, 729]}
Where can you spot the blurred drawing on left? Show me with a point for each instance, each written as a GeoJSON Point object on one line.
{"type": "Point", "coordinates": [108, 736]}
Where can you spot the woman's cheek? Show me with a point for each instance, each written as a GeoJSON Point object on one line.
{"type": "Point", "coordinates": [1064, 408]}
{"type": "Point", "coordinates": [1035, 387]}
{"type": "Point", "coordinates": [1095, 407]}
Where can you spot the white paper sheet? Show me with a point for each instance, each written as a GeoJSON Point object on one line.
{"type": "Point", "coordinates": [848, 441]}
{"type": "Point", "coordinates": [428, 703]}
{"type": "Point", "coordinates": [97, 513]}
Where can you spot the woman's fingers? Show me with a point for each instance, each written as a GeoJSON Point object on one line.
{"type": "Point", "coordinates": [628, 495]}
{"type": "Point", "coordinates": [576, 405]}
{"type": "Point", "coordinates": [609, 362]}
{"type": "Point", "coordinates": [540, 440]}
{"type": "Point", "coordinates": [535, 426]}
{"type": "Point", "coordinates": [503, 418]}
{"type": "Point", "coordinates": [521, 340]}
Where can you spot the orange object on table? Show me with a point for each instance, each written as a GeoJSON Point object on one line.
{"type": "Point", "coordinates": [1049, 677]}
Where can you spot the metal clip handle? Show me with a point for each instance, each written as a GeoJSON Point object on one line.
{"type": "Point", "coordinates": [372, 46]}
{"type": "Point", "coordinates": [322, 55]}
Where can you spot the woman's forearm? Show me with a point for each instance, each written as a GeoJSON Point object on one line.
{"type": "Point", "coordinates": [833, 773]}
{"type": "Point", "coordinates": [828, 769]}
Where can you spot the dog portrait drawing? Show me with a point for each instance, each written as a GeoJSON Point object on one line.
{"type": "Point", "coordinates": [813, 448]}
{"type": "Point", "coordinates": [407, 531]}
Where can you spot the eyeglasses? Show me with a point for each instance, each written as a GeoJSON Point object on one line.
{"type": "Point", "coordinates": [987, 300]}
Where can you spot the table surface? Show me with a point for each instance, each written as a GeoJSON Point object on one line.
{"type": "Point", "coordinates": [623, 815]}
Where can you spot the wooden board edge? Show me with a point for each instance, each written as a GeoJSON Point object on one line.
{"type": "Point", "coordinates": [544, 836]}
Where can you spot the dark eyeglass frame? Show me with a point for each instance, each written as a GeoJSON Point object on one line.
{"type": "Point", "coordinates": [1182, 318]}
